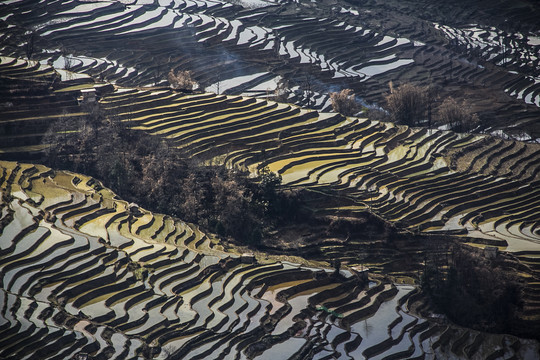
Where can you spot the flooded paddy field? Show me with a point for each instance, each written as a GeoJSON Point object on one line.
{"type": "Point", "coordinates": [85, 273]}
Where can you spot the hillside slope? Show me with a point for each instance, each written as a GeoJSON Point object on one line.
{"type": "Point", "coordinates": [85, 273]}
{"type": "Point", "coordinates": [469, 51]}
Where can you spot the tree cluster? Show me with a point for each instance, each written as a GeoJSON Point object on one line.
{"type": "Point", "coordinates": [457, 116]}
{"type": "Point", "coordinates": [473, 290]}
{"type": "Point", "coordinates": [344, 102]}
{"type": "Point", "coordinates": [181, 79]}
{"type": "Point", "coordinates": [407, 104]}
{"type": "Point", "coordinates": [145, 169]}
{"type": "Point", "coordinates": [411, 105]}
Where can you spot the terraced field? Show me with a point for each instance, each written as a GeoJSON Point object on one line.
{"type": "Point", "coordinates": [432, 182]}
{"type": "Point", "coordinates": [481, 189]}
{"type": "Point", "coordinates": [86, 273]}
{"type": "Point", "coordinates": [249, 48]}
{"type": "Point", "coordinates": [420, 179]}
{"type": "Point", "coordinates": [425, 180]}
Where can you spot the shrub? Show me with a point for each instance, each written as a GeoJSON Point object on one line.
{"type": "Point", "coordinates": [344, 102]}
{"type": "Point", "coordinates": [281, 93]}
{"type": "Point", "coordinates": [457, 116]}
{"type": "Point", "coordinates": [376, 114]}
{"type": "Point", "coordinates": [407, 104]}
{"type": "Point", "coordinates": [182, 79]}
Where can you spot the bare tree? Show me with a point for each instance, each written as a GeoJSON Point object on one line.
{"type": "Point", "coordinates": [281, 94]}
{"type": "Point", "coordinates": [407, 104]}
{"type": "Point", "coordinates": [68, 61]}
{"type": "Point", "coordinates": [29, 46]}
{"type": "Point", "coordinates": [344, 102]}
{"type": "Point", "coordinates": [309, 80]}
{"type": "Point", "coordinates": [218, 83]}
{"type": "Point", "coordinates": [458, 116]}
{"type": "Point", "coordinates": [158, 70]}
{"type": "Point", "coordinates": [182, 79]}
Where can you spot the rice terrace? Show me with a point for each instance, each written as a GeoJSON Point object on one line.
{"type": "Point", "coordinates": [269, 179]}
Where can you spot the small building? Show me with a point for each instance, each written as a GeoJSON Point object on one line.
{"type": "Point", "coordinates": [361, 272]}
{"type": "Point", "coordinates": [88, 96]}
{"type": "Point", "coordinates": [247, 258]}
